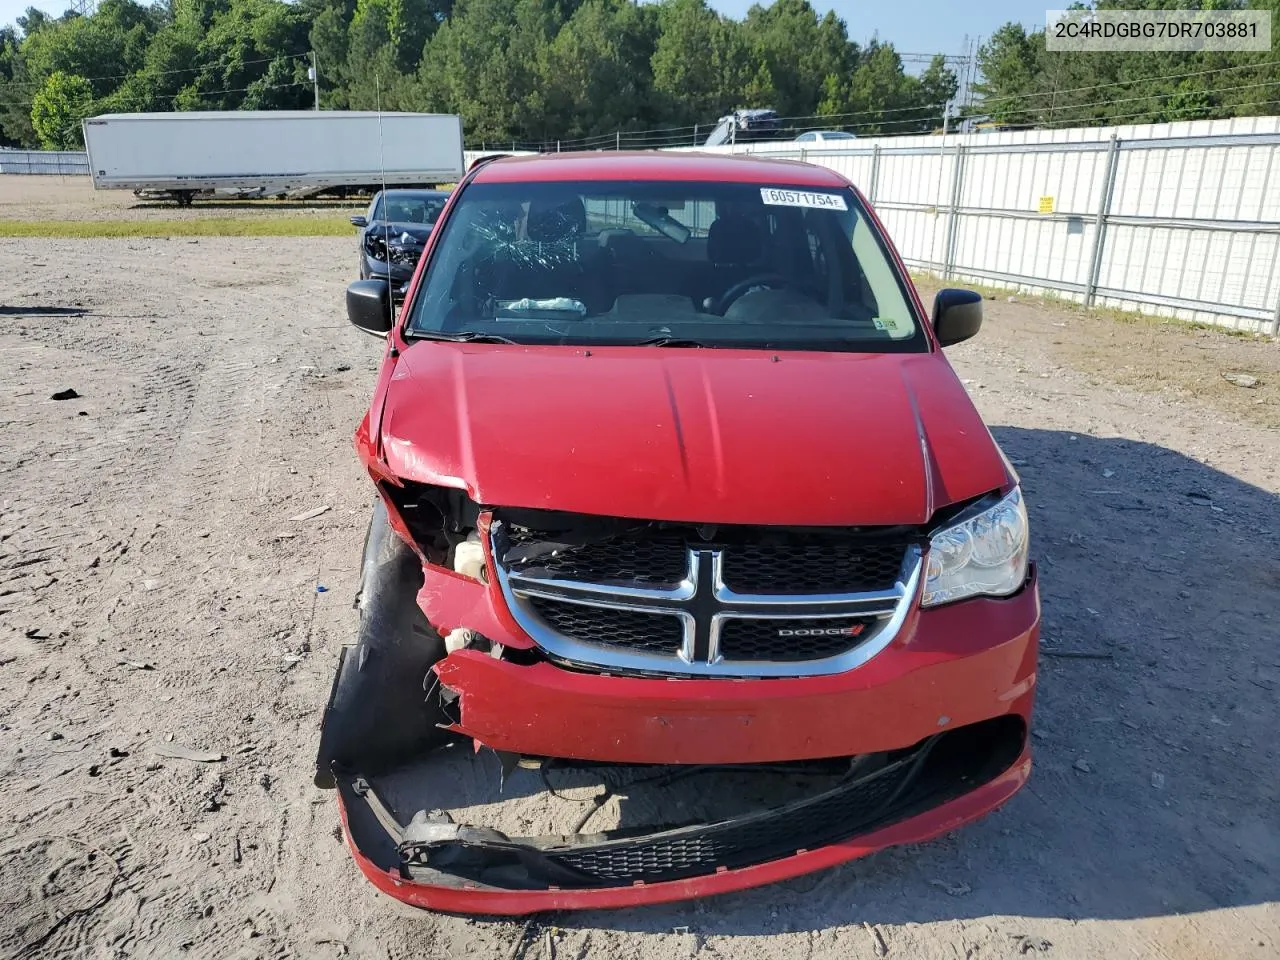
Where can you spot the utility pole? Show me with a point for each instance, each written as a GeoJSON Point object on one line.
{"type": "Point", "coordinates": [313, 74]}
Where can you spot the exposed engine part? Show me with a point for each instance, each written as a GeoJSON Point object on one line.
{"type": "Point", "coordinates": [438, 518]}
{"type": "Point", "coordinates": [458, 639]}
{"type": "Point", "coordinates": [468, 558]}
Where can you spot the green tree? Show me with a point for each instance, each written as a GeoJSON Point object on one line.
{"type": "Point", "coordinates": [1008, 63]}
{"type": "Point", "coordinates": [589, 73]}
{"type": "Point", "coordinates": [254, 49]}
{"type": "Point", "coordinates": [56, 112]}
{"type": "Point", "coordinates": [329, 42]}
{"type": "Point", "coordinates": [15, 111]}
{"type": "Point", "coordinates": [484, 64]}
{"type": "Point", "coordinates": [798, 51]}
{"type": "Point", "coordinates": [701, 64]}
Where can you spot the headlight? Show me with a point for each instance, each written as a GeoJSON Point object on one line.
{"type": "Point", "coordinates": [375, 247]}
{"type": "Point", "coordinates": [985, 555]}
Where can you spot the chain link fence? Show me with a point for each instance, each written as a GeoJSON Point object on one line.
{"type": "Point", "coordinates": [44, 162]}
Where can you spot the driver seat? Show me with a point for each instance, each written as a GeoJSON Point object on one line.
{"type": "Point", "coordinates": [735, 247]}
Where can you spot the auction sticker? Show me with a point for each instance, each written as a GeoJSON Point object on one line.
{"type": "Point", "coordinates": [777, 197]}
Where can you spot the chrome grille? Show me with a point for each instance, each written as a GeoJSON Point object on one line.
{"type": "Point", "coordinates": [622, 603]}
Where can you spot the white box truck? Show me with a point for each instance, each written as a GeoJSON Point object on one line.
{"type": "Point", "coordinates": [246, 153]}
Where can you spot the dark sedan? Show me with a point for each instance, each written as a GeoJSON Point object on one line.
{"type": "Point", "coordinates": [394, 232]}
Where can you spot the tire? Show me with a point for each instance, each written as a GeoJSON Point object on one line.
{"type": "Point", "coordinates": [383, 709]}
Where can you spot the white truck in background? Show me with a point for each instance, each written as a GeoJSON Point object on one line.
{"type": "Point", "coordinates": [285, 153]}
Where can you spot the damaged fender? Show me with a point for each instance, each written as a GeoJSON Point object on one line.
{"type": "Point", "coordinates": [383, 709]}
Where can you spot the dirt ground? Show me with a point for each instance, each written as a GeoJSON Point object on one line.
{"type": "Point", "coordinates": [155, 594]}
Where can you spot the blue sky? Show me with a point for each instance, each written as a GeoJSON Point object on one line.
{"type": "Point", "coordinates": [913, 26]}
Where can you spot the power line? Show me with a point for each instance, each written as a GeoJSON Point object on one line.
{"type": "Point", "coordinates": [643, 135]}
{"type": "Point", "coordinates": [166, 73]}
{"type": "Point", "coordinates": [211, 93]}
{"type": "Point", "coordinates": [1158, 96]}
{"type": "Point", "coordinates": [663, 136]}
{"type": "Point", "coordinates": [1125, 83]}
{"type": "Point", "coordinates": [1112, 121]}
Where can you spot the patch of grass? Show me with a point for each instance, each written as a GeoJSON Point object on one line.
{"type": "Point", "coordinates": [325, 225]}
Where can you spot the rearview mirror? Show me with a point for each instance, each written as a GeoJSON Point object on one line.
{"type": "Point", "coordinates": [369, 306]}
{"type": "Point", "coordinates": [359, 221]}
{"type": "Point", "coordinates": [661, 220]}
{"type": "Point", "coordinates": [957, 315]}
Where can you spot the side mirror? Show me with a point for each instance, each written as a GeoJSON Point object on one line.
{"type": "Point", "coordinates": [369, 306]}
{"type": "Point", "coordinates": [360, 221]}
{"type": "Point", "coordinates": [957, 315]}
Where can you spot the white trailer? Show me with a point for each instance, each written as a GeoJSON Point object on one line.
{"type": "Point", "coordinates": [270, 153]}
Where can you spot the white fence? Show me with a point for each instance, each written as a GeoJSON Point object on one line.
{"type": "Point", "coordinates": [1174, 220]}
{"type": "Point", "coordinates": [44, 162]}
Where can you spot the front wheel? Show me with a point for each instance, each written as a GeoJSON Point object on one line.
{"type": "Point", "coordinates": [384, 707]}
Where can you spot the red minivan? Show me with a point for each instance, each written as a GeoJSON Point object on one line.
{"type": "Point", "coordinates": [672, 473]}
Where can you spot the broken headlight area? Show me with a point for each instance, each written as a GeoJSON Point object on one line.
{"type": "Point", "coordinates": [402, 249]}
{"type": "Point", "coordinates": [650, 825]}
{"type": "Point", "coordinates": [443, 524]}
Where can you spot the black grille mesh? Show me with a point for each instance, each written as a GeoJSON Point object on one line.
{"type": "Point", "coordinates": [654, 633]}
{"type": "Point", "coordinates": [784, 567]}
{"type": "Point", "coordinates": [760, 640]}
{"type": "Point", "coordinates": [834, 815]}
{"type": "Point", "coordinates": [645, 560]}
{"type": "Point", "coordinates": [814, 567]}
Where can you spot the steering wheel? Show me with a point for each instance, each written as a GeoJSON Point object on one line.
{"type": "Point", "coordinates": [726, 299]}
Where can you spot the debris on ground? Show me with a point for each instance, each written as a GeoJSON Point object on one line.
{"type": "Point", "coordinates": [1157, 781]}
{"type": "Point", "coordinates": [179, 751]}
{"type": "Point", "coordinates": [1083, 765]}
{"type": "Point", "coordinates": [877, 940]}
{"type": "Point", "coordinates": [1032, 944]}
{"type": "Point", "coordinates": [67, 394]}
{"type": "Point", "coordinates": [953, 889]}
{"type": "Point", "coordinates": [1239, 379]}
{"type": "Point", "coordinates": [310, 514]}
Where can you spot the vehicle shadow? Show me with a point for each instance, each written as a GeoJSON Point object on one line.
{"type": "Point", "coordinates": [1154, 788]}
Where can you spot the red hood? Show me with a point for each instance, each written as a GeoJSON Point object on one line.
{"type": "Point", "coordinates": [715, 436]}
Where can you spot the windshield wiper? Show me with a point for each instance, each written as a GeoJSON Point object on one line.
{"type": "Point", "coordinates": [668, 341]}
{"type": "Point", "coordinates": [469, 336]}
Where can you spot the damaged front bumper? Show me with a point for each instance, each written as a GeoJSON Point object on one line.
{"type": "Point", "coordinates": [934, 728]}
{"type": "Point", "coordinates": [909, 796]}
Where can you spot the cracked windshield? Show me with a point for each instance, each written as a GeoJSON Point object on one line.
{"type": "Point", "coordinates": [664, 263]}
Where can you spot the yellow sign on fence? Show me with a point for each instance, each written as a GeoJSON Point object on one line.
{"type": "Point", "coordinates": [1046, 204]}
